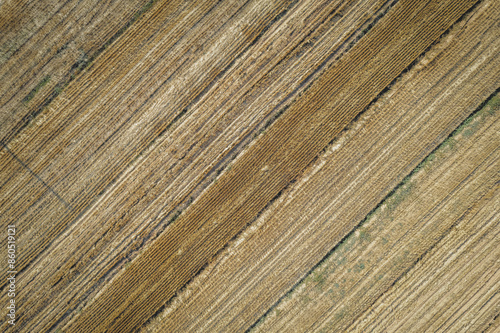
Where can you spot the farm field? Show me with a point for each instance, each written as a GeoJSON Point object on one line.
{"type": "Point", "coordinates": [95, 155]}
{"type": "Point", "coordinates": [286, 237]}
{"type": "Point", "coordinates": [236, 166]}
{"type": "Point", "coordinates": [45, 44]}
{"type": "Point", "coordinates": [438, 227]}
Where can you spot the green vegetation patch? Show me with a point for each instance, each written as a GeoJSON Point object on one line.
{"type": "Point", "coordinates": [493, 105]}
{"type": "Point", "coordinates": [37, 88]}
{"type": "Point", "coordinates": [472, 124]}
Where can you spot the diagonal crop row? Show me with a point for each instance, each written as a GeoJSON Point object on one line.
{"type": "Point", "coordinates": [341, 93]}
{"type": "Point", "coordinates": [44, 44]}
{"type": "Point", "coordinates": [359, 170]}
{"type": "Point", "coordinates": [436, 201]}
{"type": "Point", "coordinates": [105, 118]}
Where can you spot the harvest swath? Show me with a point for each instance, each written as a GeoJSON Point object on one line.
{"type": "Point", "coordinates": [101, 244]}
{"type": "Point", "coordinates": [76, 153]}
{"type": "Point", "coordinates": [448, 208]}
{"type": "Point", "coordinates": [185, 166]}
{"type": "Point", "coordinates": [296, 137]}
{"type": "Point", "coordinates": [44, 44]}
{"type": "Point", "coordinates": [318, 211]}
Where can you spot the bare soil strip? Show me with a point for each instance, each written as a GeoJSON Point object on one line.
{"type": "Point", "coordinates": [92, 131]}
{"type": "Point", "coordinates": [76, 265]}
{"type": "Point", "coordinates": [44, 44]}
{"type": "Point", "coordinates": [266, 167]}
{"type": "Point", "coordinates": [444, 218]}
{"type": "Point", "coordinates": [337, 192]}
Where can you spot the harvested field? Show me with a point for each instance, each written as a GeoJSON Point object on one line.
{"type": "Point", "coordinates": [45, 44]}
{"type": "Point", "coordinates": [289, 166]}
{"type": "Point", "coordinates": [298, 238]}
{"type": "Point", "coordinates": [446, 208]}
{"type": "Point", "coordinates": [76, 153]}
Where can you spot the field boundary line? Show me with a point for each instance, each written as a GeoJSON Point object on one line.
{"type": "Point", "coordinates": [37, 177]}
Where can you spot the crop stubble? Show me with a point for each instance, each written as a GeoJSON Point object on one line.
{"type": "Point", "coordinates": [244, 190]}
{"type": "Point", "coordinates": [299, 230]}
{"type": "Point", "coordinates": [44, 43]}
{"type": "Point", "coordinates": [457, 292]}
{"type": "Point", "coordinates": [427, 258]}
{"type": "Point", "coordinates": [91, 247]}
{"type": "Point", "coordinates": [92, 131]}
